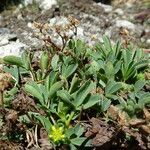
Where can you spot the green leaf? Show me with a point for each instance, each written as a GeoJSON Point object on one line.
{"type": "Point", "coordinates": [69, 70]}
{"type": "Point", "coordinates": [102, 83]}
{"type": "Point", "coordinates": [69, 132]}
{"type": "Point", "coordinates": [13, 91]}
{"type": "Point", "coordinates": [141, 64]}
{"type": "Point", "coordinates": [105, 104]}
{"type": "Point", "coordinates": [139, 85]}
{"type": "Point", "coordinates": [54, 62]}
{"type": "Point", "coordinates": [144, 100]}
{"type": "Point", "coordinates": [33, 89]}
{"type": "Point", "coordinates": [51, 79]}
{"type": "Point", "coordinates": [78, 130]}
{"type": "Point", "coordinates": [107, 43]}
{"type": "Point", "coordinates": [72, 147]}
{"type": "Point", "coordinates": [26, 60]}
{"type": "Point", "coordinates": [112, 87]}
{"type": "Point", "coordinates": [95, 65]}
{"type": "Point", "coordinates": [66, 97]}
{"type": "Point", "coordinates": [55, 87]}
{"type": "Point", "coordinates": [44, 61]}
{"type": "Point", "coordinates": [74, 84]}
{"type": "Point", "coordinates": [117, 48]}
{"type": "Point", "coordinates": [71, 44]}
{"type": "Point", "coordinates": [78, 141]}
{"type": "Point", "coordinates": [109, 70]}
{"type": "Point", "coordinates": [92, 100]}
{"type": "Point", "coordinates": [44, 93]}
{"type": "Point", "coordinates": [44, 121]}
{"type": "Point", "coordinates": [117, 67]}
{"type": "Point", "coordinates": [13, 60]}
{"type": "Point", "coordinates": [80, 47]}
{"type": "Point", "coordinates": [84, 90]}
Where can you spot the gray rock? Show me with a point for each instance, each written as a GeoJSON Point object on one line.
{"type": "Point", "coordinates": [119, 11]}
{"type": "Point", "coordinates": [47, 4]}
{"type": "Point", "coordinates": [63, 21]}
{"type": "Point", "coordinates": [107, 8]}
{"type": "Point", "coordinates": [13, 48]}
{"type": "Point", "coordinates": [32, 42]}
{"type": "Point", "coordinates": [134, 29]}
{"type": "Point", "coordinates": [4, 42]}
{"type": "Point", "coordinates": [125, 24]}
{"type": "Point", "coordinates": [9, 45]}
{"type": "Point", "coordinates": [6, 34]}
{"type": "Point", "coordinates": [148, 42]}
{"type": "Point", "coordinates": [43, 4]}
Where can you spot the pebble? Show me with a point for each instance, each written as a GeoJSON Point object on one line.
{"type": "Point", "coordinates": [119, 11]}
{"type": "Point", "coordinates": [43, 4]}
{"type": "Point", "coordinates": [47, 4]}
{"type": "Point", "coordinates": [125, 24]}
{"type": "Point", "coordinates": [4, 42]}
{"type": "Point", "coordinates": [107, 8]}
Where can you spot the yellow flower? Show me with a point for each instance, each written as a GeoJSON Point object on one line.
{"type": "Point", "coordinates": [56, 134]}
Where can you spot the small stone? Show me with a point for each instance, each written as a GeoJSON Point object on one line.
{"type": "Point", "coordinates": [20, 6]}
{"type": "Point", "coordinates": [43, 4]}
{"type": "Point", "coordinates": [30, 25]}
{"type": "Point", "coordinates": [19, 17]}
{"type": "Point", "coordinates": [107, 8]}
{"type": "Point", "coordinates": [61, 21]}
{"type": "Point", "coordinates": [47, 4]}
{"type": "Point", "coordinates": [119, 11]}
{"type": "Point", "coordinates": [125, 24]}
{"type": "Point", "coordinates": [27, 2]}
{"type": "Point", "coordinates": [148, 41]}
{"type": "Point", "coordinates": [4, 42]}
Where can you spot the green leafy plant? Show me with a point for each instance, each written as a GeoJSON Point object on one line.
{"type": "Point", "coordinates": [65, 84]}
{"type": "Point", "coordinates": [137, 100]}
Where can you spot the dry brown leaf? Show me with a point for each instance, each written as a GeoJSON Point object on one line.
{"type": "Point", "coordinates": [100, 90]}
{"type": "Point", "coordinates": [4, 80]}
{"type": "Point", "coordinates": [45, 144]}
{"type": "Point", "coordinates": [136, 134]}
{"type": "Point", "coordinates": [113, 112]}
{"type": "Point", "coordinates": [147, 74]}
{"type": "Point", "coordinates": [30, 138]}
{"type": "Point", "coordinates": [101, 131]}
{"type": "Point", "coordinates": [147, 114]}
{"type": "Point", "coordinates": [136, 122]}
{"type": "Point", "coordinates": [146, 128]}
{"type": "Point", "coordinates": [122, 119]}
{"type": "Point", "coordinates": [12, 115]}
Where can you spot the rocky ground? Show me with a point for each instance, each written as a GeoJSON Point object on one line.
{"type": "Point", "coordinates": [125, 20]}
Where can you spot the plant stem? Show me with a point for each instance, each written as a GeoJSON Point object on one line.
{"type": "Point", "coordinates": [70, 118]}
